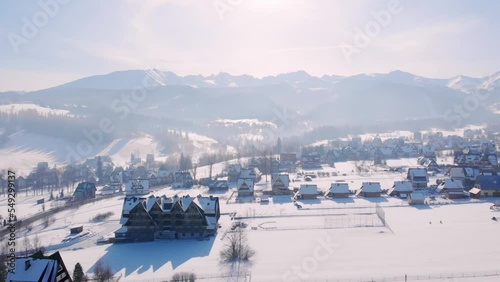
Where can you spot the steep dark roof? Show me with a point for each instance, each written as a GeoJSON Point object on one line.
{"type": "Point", "coordinates": [489, 182]}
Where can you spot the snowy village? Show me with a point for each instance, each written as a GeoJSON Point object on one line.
{"type": "Point", "coordinates": [249, 141]}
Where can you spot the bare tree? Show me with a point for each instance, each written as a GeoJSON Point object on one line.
{"type": "Point", "coordinates": [37, 245]}
{"type": "Point", "coordinates": [211, 161]}
{"type": "Point", "coordinates": [102, 271]}
{"type": "Point", "coordinates": [183, 277]}
{"type": "Point", "coordinates": [193, 171]}
{"type": "Point", "coordinates": [27, 246]}
{"type": "Point", "coordinates": [236, 248]}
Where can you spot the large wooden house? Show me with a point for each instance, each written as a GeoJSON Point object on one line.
{"type": "Point", "coordinates": [147, 219]}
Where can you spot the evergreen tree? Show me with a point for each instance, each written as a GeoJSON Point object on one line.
{"type": "Point", "coordinates": [78, 274]}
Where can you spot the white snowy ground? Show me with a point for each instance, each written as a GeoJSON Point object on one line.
{"type": "Point", "coordinates": [463, 243]}
{"type": "Point", "coordinates": [15, 108]}
{"type": "Point", "coordinates": [409, 134]}
{"type": "Point", "coordinates": [290, 243]}
{"type": "Point", "coordinates": [24, 150]}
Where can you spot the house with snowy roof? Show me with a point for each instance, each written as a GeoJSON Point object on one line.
{"type": "Point", "coordinates": [84, 191]}
{"type": "Point", "coordinates": [38, 267]}
{"type": "Point", "coordinates": [418, 177]}
{"type": "Point", "coordinates": [489, 185]}
{"type": "Point", "coordinates": [369, 189]}
{"type": "Point", "coordinates": [416, 198]}
{"type": "Point", "coordinates": [401, 189]}
{"type": "Point", "coordinates": [431, 165]}
{"type": "Point", "coordinates": [338, 190]}
{"type": "Point", "coordinates": [280, 183]}
{"type": "Point", "coordinates": [307, 191]}
{"type": "Point", "coordinates": [183, 179]}
{"type": "Point", "coordinates": [251, 173]}
{"type": "Point", "coordinates": [218, 185]}
{"type": "Point", "coordinates": [245, 187]}
{"type": "Point", "coordinates": [147, 219]}
{"type": "Point", "coordinates": [452, 189]}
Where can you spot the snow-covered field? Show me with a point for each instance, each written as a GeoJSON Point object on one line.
{"type": "Point", "coordinates": [405, 134]}
{"type": "Point", "coordinates": [337, 239]}
{"type": "Point", "coordinates": [24, 150]}
{"type": "Point", "coordinates": [206, 145]}
{"type": "Point", "coordinates": [411, 246]}
{"type": "Point", "coordinates": [15, 108]}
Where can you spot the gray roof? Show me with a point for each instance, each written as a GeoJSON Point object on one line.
{"type": "Point", "coordinates": [308, 189]}
{"type": "Point", "coordinates": [402, 186]}
{"type": "Point", "coordinates": [341, 188]}
{"type": "Point", "coordinates": [370, 187]}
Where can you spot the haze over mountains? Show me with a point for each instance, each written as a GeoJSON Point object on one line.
{"type": "Point", "coordinates": [322, 100]}
{"type": "Point", "coordinates": [234, 110]}
{"type": "Point", "coordinates": [316, 101]}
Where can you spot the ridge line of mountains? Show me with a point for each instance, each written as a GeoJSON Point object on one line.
{"type": "Point", "coordinates": [325, 100]}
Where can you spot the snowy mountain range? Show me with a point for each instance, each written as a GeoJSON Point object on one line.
{"type": "Point", "coordinates": [129, 79]}
{"type": "Point", "coordinates": [325, 100]}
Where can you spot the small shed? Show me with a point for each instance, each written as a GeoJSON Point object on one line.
{"type": "Point", "coordinates": [475, 193]}
{"type": "Point", "coordinates": [416, 198]}
{"type": "Point", "coordinates": [76, 229]}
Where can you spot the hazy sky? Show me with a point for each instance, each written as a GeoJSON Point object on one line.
{"type": "Point", "coordinates": [260, 37]}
